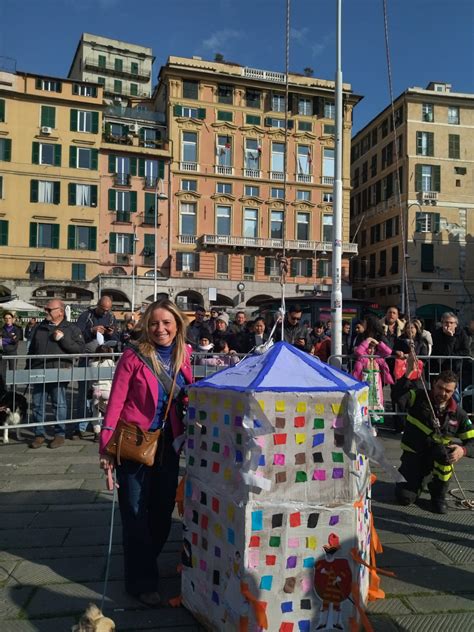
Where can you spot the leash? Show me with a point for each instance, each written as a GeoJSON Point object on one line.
{"type": "Point", "coordinates": [111, 486]}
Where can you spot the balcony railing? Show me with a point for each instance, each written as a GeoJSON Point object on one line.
{"type": "Point", "coordinates": [122, 179]}
{"type": "Point", "coordinates": [124, 139]}
{"type": "Point", "coordinates": [123, 216]}
{"type": "Point", "coordinates": [189, 166]}
{"type": "Point", "coordinates": [126, 70]}
{"type": "Point", "coordinates": [150, 182]}
{"type": "Point", "coordinates": [431, 196]}
{"type": "Point", "coordinates": [305, 178]}
{"type": "Point", "coordinates": [274, 244]}
{"type": "Point", "coordinates": [263, 75]}
{"type": "Point", "coordinates": [327, 180]}
{"type": "Point", "coordinates": [187, 239]}
{"type": "Point", "coordinates": [252, 173]}
{"type": "Point", "coordinates": [277, 175]}
{"type": "Point", "coordinates": [222, 170]}
{"type": "Point", "coordinates": [134, 114]}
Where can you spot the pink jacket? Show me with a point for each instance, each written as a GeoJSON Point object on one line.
{"type": "Point", "coordinates": [383, 351]}
{"type": "Point", "coordinates": [134, 396]}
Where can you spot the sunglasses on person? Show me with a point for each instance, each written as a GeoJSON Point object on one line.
{"type": "Point", "coordinates": [48, 310]}
{"type": "Point", "coordinates": [295, 318]}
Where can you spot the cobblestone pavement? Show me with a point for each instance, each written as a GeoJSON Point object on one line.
{"type": "Point", "coordinates": [54, 520]}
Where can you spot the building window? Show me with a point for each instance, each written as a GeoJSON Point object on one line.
{"type": "Point", "coordinates": [1, 187]}
{"type": "Point", "coordinates": [83, 158]}
{"type": "Point", "coordinates": [85, 121]}
{"type": "Point", "coordinates": [134, 68]}
{"type": "Point", "coordinates": [149, 137]}
{"type": "Point", "coordinates": [101, 61]}
{"type": "Point", "coordinates": [373, 166]}
{"type": "Point", "coordinates": [399, 116]}
{"type": "Point", "coordinates": [46, 154]}
{"type": "Point", "coordinates": [188, 185]}
{"type": "Point", "coordinates": [251, 190]}
{"type": "Point", "coordinates": [252, 119]}
{"type": "Point", "coordinates": [365, 171]}
{"type": "Point", "coordinates": [252, 154]}
{"type": "Point", "coordinates": [189, 147]}
{"type": "Point", "coordinates": [222, 263]}
{"type": "Point", "coordinates": [327, 227]}
{"type": "Point", "coordinates": [387, 155]}
{"type": "Point", "coordinates": [327, 197]}
{"type": "Point", "coordinates": [303, 196]}
{"type": "Point", "coordinates": [305, 126]}
{"type": "Point", "coordinates": [328, 162]}
{"type": "Point", "coordinates": [249, 264]}
{"type": "Point", "coordinates": [121, 243]}
{"type": "Point", "coordinates": [134, 89]}
{"type": "Point", "coordinates": [383, 263]}
{"type": "Point", "coordinates": [427, 222]}
{"type": "Point", "coordinates": [453, 115]}
{"type": "Point", "coordinates": [118, 86]}
{"type": "Point", "coordinates": [3, 232]}
{"type": "Point", "coordinates": [82, 237]}
{"type": "Point", "coordinates": [278, 103]}
{"type": "Point", "coordinates": [2, 110]}
{"type": "Point", "coordinates": [395, 257]}
{"type": "Point", "coordinates": [45, 192]}
{"type": "Point", "coordinates": [324, 268]}
{"type": "Point", "coordinates": [223, 223]}
{"type": "Point", "coordinates": [151, 170]}
{"type": "Point", "coordinates": [48, 116]}
{"type": "Point", "coordinates": [278, 157]}
{"type": "Point", "coordinates": [48, 85]}
{"type": "Point", "coordinates": [224, 151]}
{"type": "Point", "coordinates": [225, 116]}
{"type": "Point", "coordinates": [5, 149]}
{"type": "Point", "coordinates": [101, 81]}
{"type": "Point", "coordinates": [302, 226]}
{"type": "Point", "coordinates": [454, 149]}
{"type": "Point", "coordinates": [36, 270]}
{"type": "Point", "coordinates": [427, 258]}
{"type": "Point", "coordinates": [303, 165]}
{"type": "Point", "coordinates": [427, 112]}
{"type": "Point", "coordinates": [384, 128]}
{"type": "Point", "coordinates": [82, 194]}
{"type": "Point", "coordinates": [276, 224]}
{"type": "Point", "coordinates": [251, 223]}
{"type": "Point", "coordinates": [329, 109]}
{"type": "Point", "coordinates": [224, 187]}
{"type": "Point", "coordinates": [83, 90]}
{"type": "Point", "coordinates": [188, 218]}
{"type": "Point", "coordinates": [305, 106]}
{"type": "Point", "coordinates": [118, 64]}
{"type": "Point", "coordinates": [301, 268]}
{"type": "Point", "coordinates": [187, 261]}
{"type": "Point", "coordinates": [427, 177]}
{"type": "Point", "coordinates": [277, 193]}
{"type": "Point", "coordinates": [252, 98]}
{"type": "Point", "coordinates": [277, 122]}
{"type": "Point", "coordinates": [425, 143]}
{"type": "Point", "coordinates": [272, 267]}
{"type": "Point", "coordinates": [190, 89]}
{"type": "Point", "coordinates": [44, 235]}
{"type": "Point", "coordinates": [225, 94]}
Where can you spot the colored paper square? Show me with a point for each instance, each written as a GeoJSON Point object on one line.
{"type": "Point", "coordinates": [338, 457]}
{"type": "Point", "coordinates": [318, 457]}
{"type": "Point", "coordinates": [313, 519]}
{"type": "Point", "coordinates": [194, 538]}
{"type": "Point", "coordinates": [300, 437]}
{"type": "Point", "coordinates": [203, 463]}
{"type": "Point", "coordinates": [226, 420]}
{"type": "Point", "coordinates": [203, 499]}
{"type": "Point", "coordinates": [214, 416]}
{"type": "Point", "coordinates": [270, 560]}
{"type": "Point", "coordinates": [230, 512]}
{"type": "Point", "coordinates": [261, 403]}
{"type": "Point", "coordinates": [215, 597]}
{"type": "Point", "coordinates": [238, 438]}
{"type": "Point", "coordinates": [218, 530]}
{"type": "Point", "coordinates": [333, 520]}
{"type": "Point", "coordinates": [306, 584]}
{"type": "Point", "coordinates": [227, 403]}
{"type": "Point", "coordinates": [278, 459]}
{"type": "Point", "coordinates": [289, 586]}
{"type": "Point", "coordinates": [260, 441]}
{"type": "Point", "coordinates": [230, 536]}
{"type": "Point", "coordinates": [257, 520]}
{"type": "Point", "coordinates": [277, 520]}
{"type": "Point", "coordinates": [319, 475]}
{"type": "Point", "coordinates": [336, 408]}
{"type": "Point", "coordinates": [305, 604]}
{"type": "Point", "coordinates": [191, 444]}
{"type": "Point", "coordinates": [188, 488]}
{"type": "Point", "coordinates": [203, 565]}
{"type": "Point", "coordinates": [286, 627]}
{"type": "Point", "coordinates": [318, 439]}
{"type": "Point", "coordinates": [202, 415]}
{"type": "Point", "coordinates": [239, 457]}
{"type": "Point", "coordinates": [254, 541]}
{"type": "Point", "coordinates": [291, 561]}
{"type": "Point", "coordinates": [300, 458]}
{"type": "Point", "coordinates": [280, 477]}
{"type": "Point", "coordinates": [318, 423]}
{"type": "Point", "coordinates": [266, 582]}
{"type": "Point", "coordinates": [301, 407]}
{"type": "Point", "coordinates": [261, 460]}
{"type": "Point", "coordinates": [338, 472]}
{"type": "Point", "coordinates": [238, 421]}
{"type": "Point", "coordinates": [195, 517]}
{"type": "Point", "coordinates": [287, 606]}
{"type": "Point", "coordinates": [216, 578]}
{"type": "Point", "coordinates": [191, 460]}
{"type": "Point", "coordinates": [239, 405]}
{"type": "Point", "coordinates": [293, 543]}
{"type": "Point", "coordinates": [311, 542]}
{"type": "Point", "coordinates": [295, 519]}
{"type": "Point", "coordinates": [215, 431]}
{"type": "Point", "coordinates": [204, 543]}
{"type": "Point", "coordinates": [204, 522]}
{"type": "Point", "coordinates": [204, 446]}
{"type": "Point", "coordinates": [257, 423]}
{"type": "Point", "coordinates": [279, 406]}
{"type": "Point", "coordinates": [308, 562]}
{"type": "Point", "coordinates": [304, 625]}
{"type": "Point", "coordinates": [227, 474]}
{"type": "Point", "coordinates": [275, 540]}
{"type": "Point", "coordinates": [301, 477]}
{"type": "Point", "coordinates": [300, 422]}
{"type": "Point", "coordinates": [253, 558]}
{"type": "Point", "coordinates": [226, 450]}
{"type": "Point", "coordinates": [191, 416]}
{"type": "Point", "coordinates": [339, 440]}
{"type": "Point", "coordinates": [279, 439]}
{"type": "Point", "coordinates": [216, 447]}
{"type": "Point", "coordinates": [280, 422]}
{"type": "Point", "coordinates": [216, 467]}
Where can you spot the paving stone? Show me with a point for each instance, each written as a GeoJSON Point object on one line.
{"type": "Point", "coordinates": [81, 569]}
{"type": "Point", "coordinates": [164, 618]}
{"type": "Point", "coordinates": [93, 484]}
{"type": "Point", "coordinates": [58, 497]}
{"type": "Point", "coordinates": [73, 519]}
{"type": "Point", "coordinates": [62, 624]}
{"type": "Point", "coordinates": [430, 623]}
{"type": "Point", "coordinates": [42, 483]}
{"type": "Point", "coordinates": [6, 567]}
{"type": "Point", "coordinates": [92, 506]}
{"type": "Point", "coordinates": [10, 520]}
{"type": "Point", "coordinates": [33, 469]}
{"type": "Point", "coordinates": [458, 553]}
{"type": "Point", "coordinates": [15, 538]}
{"type": "Point", "coordinates": [62, 552]}
{"type": "Point", "coordinates": [448, 603]}
{"type": "Point", "coordinates": [382, 624]}
{"type": "Point", "coordinates": [79, 536]}
{"type": "Point", "coordinates": [168, 563]}
{"type": "Point", "coordinates": [12, 600]}
{"type": "Point", "coordinates": [402, 554]}
{"type": "Point", "coordinates": [388, 607]}
{"type": "Point", "coordinates": [413, 580]}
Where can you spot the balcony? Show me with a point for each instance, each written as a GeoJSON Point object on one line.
{"type": "Point", "coordinates": [263, 75]}
{"type": "Point", "coordinates": [252, 173]}
{"type": "Point", "coordinates": [188, 240]}
{"type": "Point", "coordinates": [428, 197]}
{"type": "Point", "coordinates": [124, 139]}
{"type": "Point", "coordinates": [134, 114]}
{"type": "Point", "coordinates": [222, 170]}
{"type": "Point", "coordinates": [150, 182]}
{"type": "Point", "coordinates": [122, 179]}
{"type": "Point", "coordinates": [126, 70]}
{"type": "Point", "coordinates": [122, 217]}
{"type": "Point", "coordinates": [304, 178]}
{"type": "Point", "coordinates": [327, 180]}
{"type": "Point", "coordinates": [271, 244]}
{"type": "Point", "coordinates": [189, 166]}
{"type": "Point", "coordinates": [277, 175]}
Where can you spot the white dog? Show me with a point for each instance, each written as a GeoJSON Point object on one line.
{"type": "Point", "coordinates": [13, 408]}
{"type": "Point", "coordinates": [94, 621]}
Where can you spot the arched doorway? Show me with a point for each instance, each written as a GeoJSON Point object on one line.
{"type": "Point", "coordinates": [223, 301]}
{"type": "Point", "coordinates": [5, 294]}
{"type": "Point", "coordinates": [120, 300]}
{"type": "Point", "coordinates": [161, 296]}
{"type": "Point", "coordinates": [189, 300]}
{"type": "Point", "coordinates": [256, 300]}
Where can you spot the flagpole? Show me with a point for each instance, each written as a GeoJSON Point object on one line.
{"type": "Point", "coordinates": [336, 293]}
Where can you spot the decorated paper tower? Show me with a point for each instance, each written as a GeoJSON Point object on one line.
{"type": "Point", "coordinates": [277, 511]}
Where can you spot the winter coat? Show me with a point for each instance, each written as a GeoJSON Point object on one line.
{"type": "Point", "coordinates": [362, 363]}
{"type": "Point", "coordinates": [42, 343]}
{"type": "Point", "coordinates": [446, 345]}
{"type": "Point", "coordinates": [9, 345]}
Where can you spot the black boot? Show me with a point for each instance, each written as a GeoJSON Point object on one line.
{"type": "Point", "coordinates": [404, 495]}
{"type": "Point", "coordinates": [438, 498]}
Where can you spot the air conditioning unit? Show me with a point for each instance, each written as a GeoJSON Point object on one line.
{"type": "Point", "coordinates": [46, 130]}
{"type": "Point", "coordinates": [71, 295]}
{"type": "Point", "coordinates": [41, 293]}
{"type": "Point", "coordinates": [135, 128]}
{"type": "Point", "coordinates": [188, 275]}
{"type": "Point", "coordinates": [124, 259]}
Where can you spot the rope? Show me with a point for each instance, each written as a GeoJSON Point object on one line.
{"type": "Point", "coordinates": [109, 550]}
{"type": "Point", "coordinates": [466, 503]}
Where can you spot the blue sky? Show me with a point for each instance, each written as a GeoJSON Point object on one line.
{"type": "Point", "coordinates": [430, 40]}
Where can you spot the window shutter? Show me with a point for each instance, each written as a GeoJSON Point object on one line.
{"type": "Point", "coordinates": [201, 113]}
{"type": "Point", "coordinates": [33, 234]}
{"type": "Point", "coordinates": [71, 194]}
{"type": "Point", "coordinates": [94, 159]}
{"type": "Point", "coordinates": [48, 116]}
{"type": "Point", "coordinates": [436, 217]}
{"type": "Point", "coordinates": [418, 222]}
{"type": "Point", "coordinates": [38, 83]}
{"type": "Point", "coordinates": [2, 110]}
{"type": "Point", "coordinates": [57, 155]}
{"type": "Point", "coordinates": [141, 133]}
{"type": "Point", "coordinates": [291, 124]}
{"type": "Point", "coordinates": [141, 167]}
{"type": "Point", "coordinates": [178, 111]}
{"type": "Point", "coordinates": [267, 121]}
{"type": "Point", "coordinates": [93, 238]}
{"type": "Point", "coordinates": [179, 261]}
{"type": "Point", "coordinates": [268, 264]}
{"type": "Point", "coordinates": [427, 257]}
{"type": "Point", "coordinates": [293, 268]}
{"type": "Point", "coordinates": [73, 121]}
{"type": "Point", "coordinates": [112, 200]}
{"type": "Point", "coordinates": [133, 201]}
{"type": "Point", "coordinates": [112, 242]}
{"type": "Point", "coordinates": [149, 203]}
{"type": "Point", "coordinates": [418, 143]}
{"type": "Point", "coordinates": [132, 245]}
{"type": "Point", "coordinates": [33, 190]}
{"type": "Point", "coordinates": [436, 178]}
{"type": "Point", "coordinates": [75, 88]}
{"type": "Point", "coordinates": [321, 268]}
{"type": "Point", "coordinates": [430, 144]}
{"type": "Point", "coordinates": [133, 166]}
{"type": "Point", "coordinates": [309, 268]}
{"type": "Point", "coordinates": [112, 164]}
{"type": "Point", "coordinates": [56, 192]}
{"type": "Point", "coordinates": [197, 261]}
{"type": "Point", "coordinates": [95, 122]}
{"type": "Point", "coordinates": [93, 195]}
{"type": "Point", "coordinates": [149, 244]}
{"type": "Point", "coordinates": [7, 149]}
{"type": "Point", "coordinates": [161, 169]}
{"type": "Point", "coordinates": [35, 154]}
{"type": "Point", "coordinates": [71, 237]}
{"type": "Point", "coordinates": [417, 177]}
{"type": "Point", "coordinates": [73, 156]}
{"type": "Point", "coordinates": [3, 232]}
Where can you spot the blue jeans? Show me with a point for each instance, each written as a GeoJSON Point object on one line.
{"type": "Point", "coordinates": [57, 394]}
{"type": "Point", "coordinates": [146, 499]}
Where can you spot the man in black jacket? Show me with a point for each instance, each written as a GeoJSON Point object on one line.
{"type": "Point", "coordinates": [449, 340]}
{"type": "Point", "coordinates": [54, 336]}
{"type": "Point", "coordinates": [293, 329]}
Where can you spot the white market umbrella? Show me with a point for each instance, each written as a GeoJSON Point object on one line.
{"type": "Point", "coordinates": [17, 305]}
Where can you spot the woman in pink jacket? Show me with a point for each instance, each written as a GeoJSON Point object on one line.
{"type": "Point", "coordinates": [147, 494]}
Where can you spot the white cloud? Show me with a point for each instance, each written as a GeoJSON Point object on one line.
{"type": "Point", "coordinates": [217, 41]}
{"type": "Point", "coordinates": [319, 47]}
{"type": "Point", "coordinates": [299, 35]}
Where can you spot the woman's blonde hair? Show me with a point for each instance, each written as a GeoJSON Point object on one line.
{"type": "Point", "coordinates": [146, 344]}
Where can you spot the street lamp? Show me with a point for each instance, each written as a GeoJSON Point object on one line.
{"type": "Point", "coordinates": [404, 284]}
{"type": "Point", "coordinates": [134, 249]}
{"type": "Point", "coordinates": [158, 196]}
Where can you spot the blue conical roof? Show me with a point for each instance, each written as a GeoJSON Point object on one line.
{"type": "Point", "coordinates": [282, 368]}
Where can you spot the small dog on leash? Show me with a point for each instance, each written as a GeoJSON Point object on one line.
{"type": "Point", "coordinates": [13, 409]}
{"type": "Point", "coordinates": [94, 621]}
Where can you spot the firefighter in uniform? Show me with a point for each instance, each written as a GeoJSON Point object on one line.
{"type": "Point", "coordinates": [431, 446]}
